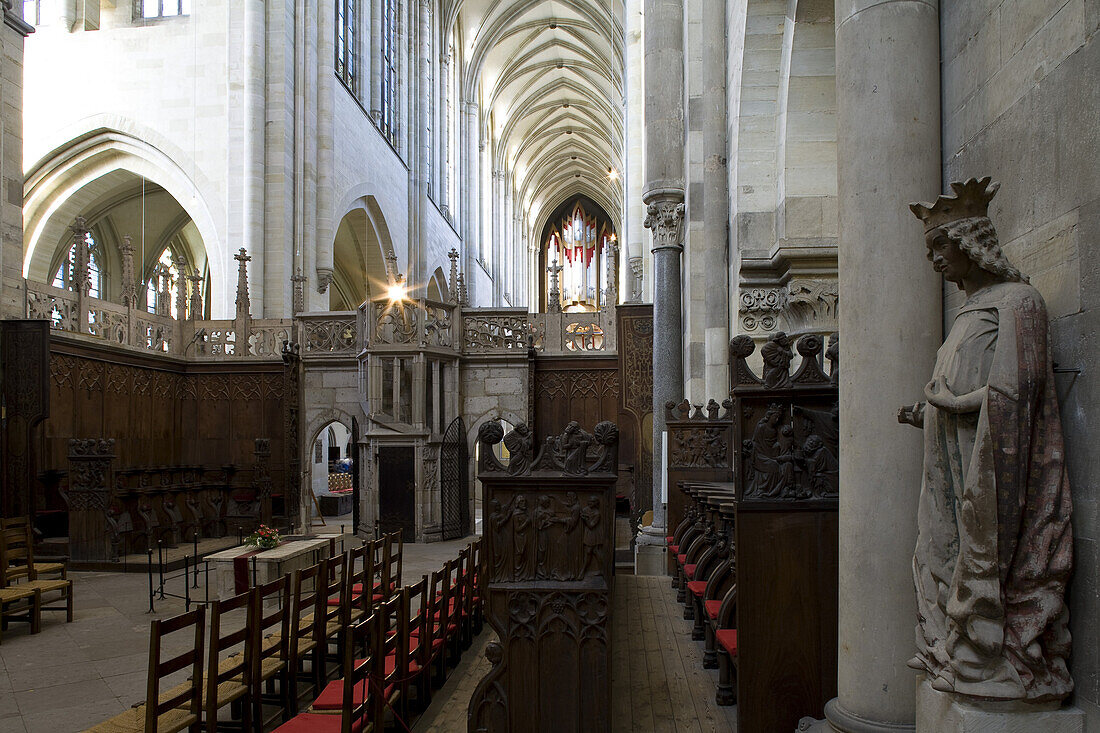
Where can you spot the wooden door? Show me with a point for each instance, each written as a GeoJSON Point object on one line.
{"type": "Point", "coordinates": [397, 491]}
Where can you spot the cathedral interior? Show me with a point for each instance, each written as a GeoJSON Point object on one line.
{"type": "Point", "coordinates": [658, 365]}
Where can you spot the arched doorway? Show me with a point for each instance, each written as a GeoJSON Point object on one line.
{"type": "Point", "coordinates": [454, 470]}
{"type": "Point", "coordinates": [334, 471]}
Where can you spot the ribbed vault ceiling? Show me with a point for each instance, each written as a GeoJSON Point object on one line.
{"type": "Point", "coordinates": [551, 84]}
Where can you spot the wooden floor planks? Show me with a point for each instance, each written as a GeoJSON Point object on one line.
{"type": "Point", "coordinates": [658, 681]}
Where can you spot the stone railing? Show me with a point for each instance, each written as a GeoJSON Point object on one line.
{"type": "Point", "coordinates": [497, 330]}
{"type": "Point", "coordinates": [332, 333]}
{"type": "Point", "coordinates": [409, 324]}
{"type": "Point", "coordinates": [96, 320]}
{"type": "Point", "coordinates": [501, 331]}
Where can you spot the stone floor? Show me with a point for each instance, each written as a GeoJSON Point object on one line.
{"type": "Point", "coordinates": [72, 676]}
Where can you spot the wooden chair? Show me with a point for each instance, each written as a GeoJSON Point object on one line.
{"type": "Point", "coordinates": [420, 640]}
{"type": "Point", "coordinates": [359, 571]}
{"type": "Point", "coordinates": [21, 602]}
{"type": "Point", "coordinates": [332, 598]}
{"type": "Point", "coordinates": [477, 607]}
{"type": "Point", "coordinates": [57, 569]}
{"type": "Point", "coordinates": [17, 561]}
{"type": "Point", "coordinates": [229, 679]}
{"type": "Point", "coordinates": [351, 696]}
{"type": "Point", "coordinates": [463, 596]}
{"type": "Point", "coordinates": [303, 644]}
{"type": "Point", "coordinates": [438, 619]}
{"type": "Point", "coordinates": [268, 651]}
{"type": "Point", "coordinates": [393, 548]}
{"type": "Point", "coordinates": [391, 647]}
{"type": "Point", "coordinates": [179, 708]}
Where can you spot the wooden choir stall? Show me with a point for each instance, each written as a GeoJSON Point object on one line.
{"type": "Point", "coordinates": [549, 541]}
{"type": "Point", "coordinates": [753, 502]}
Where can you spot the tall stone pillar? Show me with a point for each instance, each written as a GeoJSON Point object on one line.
{"type": "Point", "coordinates": [716, 206]}
{"type": "Point", "coordinates": [888, 154]}
{"type": "Point", "coordinates": [472, 176]}
{"type": "Point", "coordinates": [663, 195]}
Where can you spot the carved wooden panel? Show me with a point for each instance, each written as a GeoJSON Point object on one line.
{"type": "Point", "coordinates": [161, 412]}
{"type": "Point", "coordinates": [581, 389]}
{"type": "Point", "coordinates": [548, 562]}
{"type": "Point", "coordinates": [635, 329]}
{"type": "Point", "coordinates": [25, 349]}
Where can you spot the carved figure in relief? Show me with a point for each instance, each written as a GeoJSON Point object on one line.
{"type": "Point", "coordinates": [777, 355]}
{"type": "Point", "coordinates": [994, 545]}
{"type": "Point", "coordinates": [766, 473]}
{"type": "Point", "coordinates": [572, 448]}
{"type": "Point", "coordinates": [822, 467]}
{"type": "Point", "coordinates": [498, 521]}
{"type": "Point", "coordinates": [788, 456]}
{"type": "Point", "coordinates": [543, 518]}
{"type": "Point", "coordinates": [520, 443]}
{"type": "Point", "coordinates": [593, 542]}
{"type": "Point", "coordinates": [521, 529]}
{"type": "Point", "coordinates": [569, 522]}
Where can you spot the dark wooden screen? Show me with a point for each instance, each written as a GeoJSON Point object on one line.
{"type": "Point", "coordinates": [355, 474]}
{"type": "Point", "coordinates": [635, 338]}
{"type": "Point", "coordinates": [454, 481]}
{"type": "Point", "coordinates": [577, 388]}
{"type": "Point", "coordinates": [25, 349]}
{"type": "Point", "coordinates": [396, 490]}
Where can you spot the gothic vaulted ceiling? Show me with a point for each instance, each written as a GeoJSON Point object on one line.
{"type": "Point", "coordinates": [551, 89]}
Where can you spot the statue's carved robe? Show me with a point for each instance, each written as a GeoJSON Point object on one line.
{"type": "Point", "coordinates": [994, 547]}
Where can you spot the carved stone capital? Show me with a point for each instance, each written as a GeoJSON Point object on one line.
{"type": "Point", "coordinates": [665, 219]}
{"type": "Point", "coordinates": [324, 279]}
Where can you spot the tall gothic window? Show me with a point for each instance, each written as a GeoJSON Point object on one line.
{"type": "Point", "coordinates": [164, 8]}
{"type": "Point", "coordinates": [430, 101]}
{"type": "Point", "coordinates": [162, 285]}
{"type": "Point", "coordinates": [388, 121]}
{"type": "Point", "coordinates": [577, 239]}
{"type": "Point", "coordinates": [63, 276]}
{"type": "Point", "coordinates": [347, 19]}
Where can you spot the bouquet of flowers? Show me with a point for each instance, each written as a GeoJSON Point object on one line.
{"type": "Point", "coordinates": [265, 538]}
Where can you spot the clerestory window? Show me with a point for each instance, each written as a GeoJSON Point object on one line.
{"type": "Point", "coordinates": [388, 119]}
{"type": "Point", "coordinates": [347, 42]}
{"type": "Point", "coordinates": [164, 8]}
{"type": "Point", "coordinates": [32, 11]}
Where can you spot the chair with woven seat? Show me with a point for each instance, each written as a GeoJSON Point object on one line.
{"type": "Point", "coordinates": [267, 650]}
{"type": "Point", "coordinates": [17, 562]}
{"type": "Point", "coordinates": [438, 620]}
{"type": "Point", "coordinates": [229, 679]}
{"type": "Point", "coordinates": [360, 569]}
{"type": "Point", "coordinates": [21, 602]}
{"type": "Point", "coordinates": [40, 568]}
{"type": "Point", "coordinates": [333, 596]}
{"type": "Point", "coordinates": [179, 708]}
{"type": "Point", "coordinates": [302, 643]}
{"type": "Point", "coordinates": [392, 552]}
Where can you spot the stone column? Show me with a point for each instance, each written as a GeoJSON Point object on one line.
{"type": "Point", "coordinates": [716, 206]}
{"type": "Point", "coordinates": [444, 128]}
{"type": "Point", "coordinates": [472, 178]}
{"type": "Point", "coordinates": [376, 60]}
{"type": "Point", "coordinates": [663, 195]}
{"type": "Point", "coordinates": [326, 150]}
{"type": "Point", "coordinates": [888, 153]}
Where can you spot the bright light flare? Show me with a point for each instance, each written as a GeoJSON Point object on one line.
{"type": "Point", "coordinates": [396, 292]}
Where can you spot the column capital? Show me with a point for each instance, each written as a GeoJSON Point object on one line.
{"type": "Point", "coordinates": [665, 219]}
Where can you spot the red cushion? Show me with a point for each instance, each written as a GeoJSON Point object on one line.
{"type": "Point", "coordinates": [318, 722]}
{"type": "Point", "coordinates": [675, 548]}
{"type": "Point", "coordinates": [727, 639]}
{"type": "Point", "coordinates": [689, 571]}
{"type": "Point", "coordinates": [332, 697]}
{"type": "Point", "coordinates": [681, 559]}
{"type": "Point", "coordinates": [711, 607]}
{"type": "Point", "coordinates": [669, 539]}
{"type": "Point", "coordinates": [697, 587]}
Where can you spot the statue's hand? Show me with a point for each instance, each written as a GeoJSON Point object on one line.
{"type": "Point", "coordinates": [912, 415]}
{"type": "Point", "coordinates": [938, 395]}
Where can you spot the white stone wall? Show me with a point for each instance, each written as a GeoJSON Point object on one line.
{"type": "Point", "coordinates": [1020, 104]}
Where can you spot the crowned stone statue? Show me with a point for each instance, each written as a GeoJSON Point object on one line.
{"type": "Point", "coordinates": [994, 543]}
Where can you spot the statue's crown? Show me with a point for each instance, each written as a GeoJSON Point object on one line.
{"type": "Point", "coordinates": [971, 199]}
